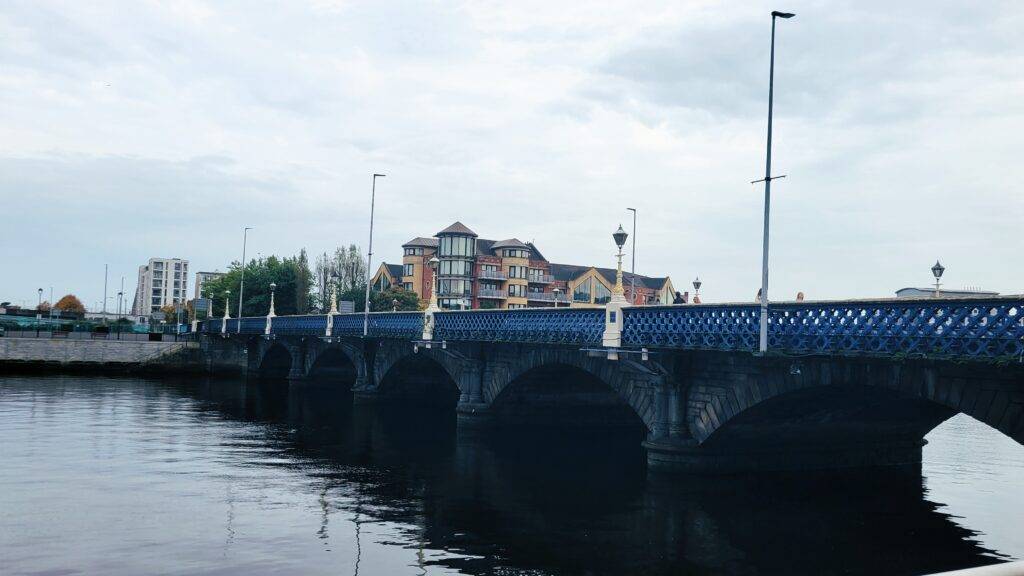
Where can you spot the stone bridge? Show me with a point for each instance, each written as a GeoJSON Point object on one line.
{"type": "Point", "coordinates": [844, 385]}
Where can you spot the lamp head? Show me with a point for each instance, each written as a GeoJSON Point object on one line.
{"type": "Point", "coordinates": [782, 14]}
{"type": "Point", "coordinates": [433, 262]}
{"type": "Point", "coordinates": [697, 283]}
{"type": "Point", "coordinates": [273, 286]}
{"type": "Point", "coordinates": [620, 237]}
{"type": "Point", "coordinates": [937, 270]}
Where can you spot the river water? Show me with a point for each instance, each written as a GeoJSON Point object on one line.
{"type": "Point", "coordinates": [128, 476]}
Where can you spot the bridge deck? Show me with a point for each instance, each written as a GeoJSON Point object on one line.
{"type": "Point", "coordinates": [990, 329]}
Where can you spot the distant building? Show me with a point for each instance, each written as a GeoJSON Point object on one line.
{"type": "Point", "coordinates": [478, 273]}
{"type": "Point", "coordinates": [929, 292]}
{"type": "Point", "coordinates": [202, 277]}
{"type": "Point", "coordinates": [162, 282]}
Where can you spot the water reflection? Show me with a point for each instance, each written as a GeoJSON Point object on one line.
{"type": "Point", "coordinates": [300, 480]}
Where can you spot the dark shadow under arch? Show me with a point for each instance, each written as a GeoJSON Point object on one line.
{"type": "Point", "coordinates": [421, 379]}
{"type": "Point", "coordinates": [832, 416]}
{"type": "Point", "coordinates": [563, 396]}
{"type": "Point", "coordinates": [333, 368]}
{"type": "Point", "coordinates": [276, 363]}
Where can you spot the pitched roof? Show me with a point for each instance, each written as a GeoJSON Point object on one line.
{"type": "Point", "coordinates": [395, 270]}
{"type": "Point", "coordinates": [510, 243]}
{"type": "Point", "coordinates": [457, 228]}
{"type": "Point", "coordinates": [536, 253]}
{"type": "Point", "coordinates": [484, 247]}
{"type": "Point", "coordinates": [420, 241]}
{"type": "Point", "coordinates": [566, 272]}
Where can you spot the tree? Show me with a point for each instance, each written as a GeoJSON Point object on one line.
{"type": "Point", "coordinates": [291, 275]}
{"type": "Point", "coordinates": [70, 303]}
{"type": "Point", "coordinates": [347, 264]}
{"type": "Point", "coordinates": [44, 306]}
{"type": "Point", "coordinates": [382, 301]}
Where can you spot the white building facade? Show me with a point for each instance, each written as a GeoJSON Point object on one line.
{"type": "Point", "coordinates": [162, 282]}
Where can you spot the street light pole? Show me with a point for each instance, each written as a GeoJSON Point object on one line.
{"type": "Point", "coordinates": [632, 268]}
{"type": "Point", "coordinates": [768, 190]}
{"type": "Point", "coordinates": [241, 287]}
{"type": "Point", "coordinates": [39, 313]}
{"type": "Point", "coordinates": [369, 257]}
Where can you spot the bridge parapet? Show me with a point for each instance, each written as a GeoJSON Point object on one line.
{"type": "Point", "coordinates": [965, 328]}
{"type": "Point", "coordinates": [381, 325]}
{"type": "Point", "coordinates": [538, 325]}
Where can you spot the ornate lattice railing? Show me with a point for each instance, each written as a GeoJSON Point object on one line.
{"type": "Point", "coordinates": [381, 325]}
{"type": "Point", "coordinates": [571, 326]}
{"type": "Point", "coordinates": [299, 325]}
{"type": "Point", "coordinates": [950, 328]}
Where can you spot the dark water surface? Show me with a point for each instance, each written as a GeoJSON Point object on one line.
{"type": "Point", "coordinates": [125, 476]}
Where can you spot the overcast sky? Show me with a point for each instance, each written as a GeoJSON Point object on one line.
{"type": "Point", "coordinates": [140, 129]}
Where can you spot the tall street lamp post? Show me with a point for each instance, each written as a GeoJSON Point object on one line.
{"type": "Point", "coordinates": [768, 189]}
{"type": "Point", "coordinates": [696, 290]}
{"type": "Point", "coordinates": [241, 286]}
{"type": "Point", "coordinates": [937, 271]}
{"type": "Point", "coordinates": [39, 313]}
{"type": "Point", "coordinates": [632, 268]}
{"type": "Point", "coordinates": [369, 257]}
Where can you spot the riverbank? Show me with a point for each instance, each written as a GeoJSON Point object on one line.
{"type": "Point", "coordinates": [98, 356]}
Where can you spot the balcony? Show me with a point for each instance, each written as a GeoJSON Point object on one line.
{"type": "Point", "coordinates": [490, 293]}
{"type": "Point", "coordinates": [546, 297]}
{"type": "Point", "coordinates": [540, 279]}
{"type": "Point", "coordinates": [492, 274]}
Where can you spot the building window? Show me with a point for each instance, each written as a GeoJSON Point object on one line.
{"type": "Point", "coordinates": [408, 269]}
{"type": "Point", "coordinates": [517, 272]}
{"type": "Point", "coordinates": [414, 251]}
{"type": "Point", "coordinates": [515, 253]}
{"type": "Point", "coordinates": [455, 287]}
{"type": "Point", "coordinates": [488, 267]}
{"type": "Point", "coordinates": [455, 268]}
{"type": "Point", "coordinates": [457, 246]}
{"type": "Point", "coordinates": [581, 293]}
{"type": "Point", "coordinates": [601, 294]}
{"type": "Point", "coordinates": [516, 306]}
{"type": "Point", "coordinates": [407, 286]}
{"type": "Point", "coordinates": [517, 290]}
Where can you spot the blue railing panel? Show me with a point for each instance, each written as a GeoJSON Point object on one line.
{"type": "Point", "coordinates": [941, 328]}
{"type": "Point", "coordinates": [232, 325]}
{"type": "Point", "coordinates": [381, 325]}
{"type": "Point", "coordinates": [309, 325]}
{"type": "Point", "coordinates": [568, 325]}
{"type": "Point", "coordinates": [252, 325]}
{"type": "Point", "coordinates": [693, 327]}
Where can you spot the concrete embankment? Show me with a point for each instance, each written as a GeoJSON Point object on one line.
{"type": "Point", "coordinates": [17, 354]}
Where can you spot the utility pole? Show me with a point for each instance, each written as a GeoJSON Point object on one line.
{"type": "Point", "coordinates": [763, 347]}
{"type": "Point", "coordinates": [369, 258]}
{"type": "Point", "coordinates": [241, 287]}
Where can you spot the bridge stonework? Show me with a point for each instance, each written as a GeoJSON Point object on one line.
{"type": "Point", "coordinates": [705, 402]}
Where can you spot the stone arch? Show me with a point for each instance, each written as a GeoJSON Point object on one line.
{"type": "Point", "coordinates": [635, 384]}
{"type": "Point", "coordinates": [816, 400]}
{"type": "Point", "coordinates": [431, 376]}
{"type": "Point", "coordinates": [338, 362]}
{"type": "Point", "coordinates": [276, 361]}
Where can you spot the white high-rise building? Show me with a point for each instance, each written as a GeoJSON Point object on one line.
{"type": "Point", "coordinates": [162, 282]}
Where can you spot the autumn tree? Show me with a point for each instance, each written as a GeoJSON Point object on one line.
{"type": "Point", "coordinates": [70, 303]}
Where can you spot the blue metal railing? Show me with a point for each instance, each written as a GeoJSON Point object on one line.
{"type": "Point", "coordinates": [540, 325]}
{"type": "Point", "coordinates": [958, 328]}
{"type": "Point", "coordinates": [947, 328]}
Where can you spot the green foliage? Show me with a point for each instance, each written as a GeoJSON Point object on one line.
{"type": "Point", "coordinates": [381, 301]}
{"type": "Point", "coordinates": [291, 295]}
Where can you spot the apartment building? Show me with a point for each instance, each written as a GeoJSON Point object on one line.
{"type": "Point", "coordinates": [162, 282]}
{"type": "Point", "coordinates": [202, 277]}
{"type": "Point", "coordinates": [474, 272]}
